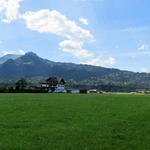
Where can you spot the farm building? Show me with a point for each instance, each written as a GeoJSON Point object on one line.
{"type": "Point", "coordinates": [92, 91]}
{"type": "Point", "coordinates": [53, 84]}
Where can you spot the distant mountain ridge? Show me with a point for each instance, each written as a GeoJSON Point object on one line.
{"type": "Point", "coordinates": [7, 57]}
{"type": "Point", "coordinates": [33, 68]}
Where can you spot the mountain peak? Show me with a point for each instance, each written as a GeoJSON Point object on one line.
{"type": "Point", "coordinates": [31, 54]}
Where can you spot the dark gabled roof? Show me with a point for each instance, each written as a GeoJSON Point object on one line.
{"type": "Point", "coordinates": [55, 79]}
{"type": "Point", "coordinates": [52, 79]}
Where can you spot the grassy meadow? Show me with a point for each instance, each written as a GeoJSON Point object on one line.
{"type": "Point", "coordinates": [74, 122]}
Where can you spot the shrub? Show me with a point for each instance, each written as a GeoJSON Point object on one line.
{"type": "Point", "coordinates": [83, 91]}
{"type": "Point", "coordinates": [69, 91]}
{"type": "Point", "coordinates": [2, 89]}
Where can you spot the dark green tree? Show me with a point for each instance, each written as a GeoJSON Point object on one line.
{"type": "Point", "coordinates": [20, 85]}
{"type": "Point", "coordinates": [10, 89]}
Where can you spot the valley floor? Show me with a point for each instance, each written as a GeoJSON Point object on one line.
{"type": "Point", "coordinates": [74, 122]}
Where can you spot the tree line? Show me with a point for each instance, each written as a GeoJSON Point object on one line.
{"type": "Point", "coordinates": [21, 86]}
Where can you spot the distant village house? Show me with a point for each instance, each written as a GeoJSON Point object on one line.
{"type": "Point", "coordinates": [53, 84]}
{"type": "Point", "coordinates": [92, 91]}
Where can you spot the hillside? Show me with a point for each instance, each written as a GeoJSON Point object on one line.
{"type": "Point", "coordinates": [33, 68]}
{"type": "Point", "coordinates": [7, 57]}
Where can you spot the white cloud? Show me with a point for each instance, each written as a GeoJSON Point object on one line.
{"type": "Point", "coordinates": [84, 21]}
{"type": "Point", "coordinates": [75, 48]}
{"type": "Point", "coordinates": [99, 62]}
{"type": "Point", "coordinates": [144, 70]}
{"type": "Point", "coordinates": [143, 47]}
{"type": "Point", "coordinates": [46, 21]}
{"type": "Point", "coordinates": [9, 8]}
{"type": "Point", "coordinates": [19, 52]}
{"type": "Point", "coordinates": [81, 54]}
{"type": "Point", "coordinates": [109, 61]}
{"type": "Point", "coordinates": [8, 52]}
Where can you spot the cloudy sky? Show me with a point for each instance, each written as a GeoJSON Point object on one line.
{"type": "Point", "coordinates": [109, 33]}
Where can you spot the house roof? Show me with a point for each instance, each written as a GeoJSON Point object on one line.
{"type": "Point", "coordinates": [92, 90]}
{"type": "Point", "coordinates": [56, 79]}
{"type": "Point", "coordinates": [52, 79]}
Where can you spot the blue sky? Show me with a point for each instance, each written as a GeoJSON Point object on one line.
{"type": "Point", "coordinates": [109, 33]}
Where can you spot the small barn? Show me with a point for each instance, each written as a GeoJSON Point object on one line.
{"type": "Point", "coordinates": [92, 91]}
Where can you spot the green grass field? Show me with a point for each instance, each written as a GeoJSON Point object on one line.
{"type": "Point", "coordinates": [74, 122]}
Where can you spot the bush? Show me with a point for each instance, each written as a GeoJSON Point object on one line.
{"type": "Point", "coordinates": [3, 89]}
{"type": "Point", "coordinates": [83, 91]}
{"type": "Point", "coordinates": [69, 91]}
